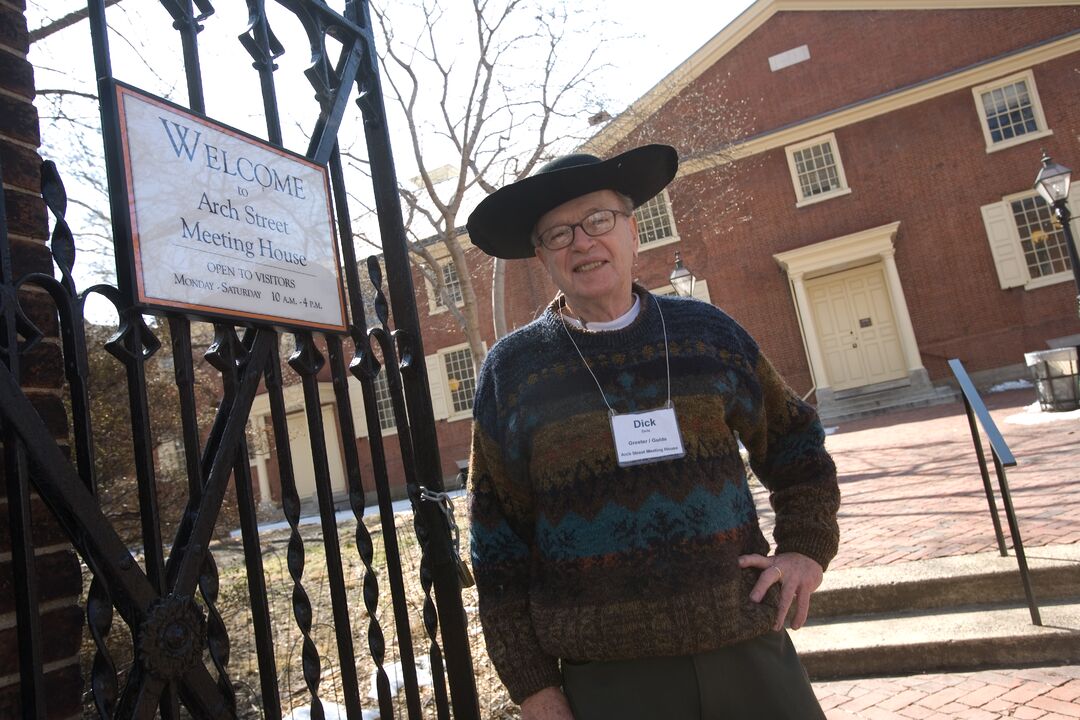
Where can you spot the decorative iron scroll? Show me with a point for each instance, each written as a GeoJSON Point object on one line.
{"type": "Point", "coordinates": [168, 594]}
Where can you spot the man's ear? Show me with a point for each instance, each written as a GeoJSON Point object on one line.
{"type": "Point", "coordinates": [634, 231]}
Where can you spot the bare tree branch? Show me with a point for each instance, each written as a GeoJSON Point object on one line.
{"type": "Point", "coordinates": [62, 92]}
{"type": "Point", "coordinates": [491, 103]}
{"type": "Point", "coordinates": [65, 22]}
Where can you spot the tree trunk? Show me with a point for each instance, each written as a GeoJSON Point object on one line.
{"type": "Point", "coordinates": [469, 304]}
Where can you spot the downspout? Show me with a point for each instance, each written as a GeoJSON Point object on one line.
{"type": "Point", "coordinates": [498, 297]}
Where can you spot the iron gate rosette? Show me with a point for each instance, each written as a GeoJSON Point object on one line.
{"type": "Point", "coordinates": [172, 637]}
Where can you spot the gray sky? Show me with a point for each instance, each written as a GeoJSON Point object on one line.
{"type": "Point", "coordinates": [657, 37]}
{"type": "Point", "coordinates": [669, 32]}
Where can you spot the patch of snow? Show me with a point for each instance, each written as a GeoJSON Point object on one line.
{"type": "Point", "coordinates": [832, 429]}
{"type": "Point", "coordinates": [1020, 384]}
{"type": "Point", "coordinates": [343, 516]}
{"type": "Point", "coordinates": [331, 711]}
{"type": "Point", "coordinates": [1034, 415]}
{"type": "Point", "coordinates": [395, 674]}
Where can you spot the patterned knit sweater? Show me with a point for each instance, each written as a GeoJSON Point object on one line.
{"type": "Point", "coordinates": [580, 559]}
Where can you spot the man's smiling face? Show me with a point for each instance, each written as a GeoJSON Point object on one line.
{"type": "Point", "coordinates": [595, 273]}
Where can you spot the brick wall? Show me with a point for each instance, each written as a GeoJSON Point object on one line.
{"type": "Point", "coordinates": [57, 569]}
{"type": "Point", "coordinates": [924, 165]}
{"type": "Point", "coordinates": [855, 55]}
{"type": "Point", "coordinates": [528, 291]}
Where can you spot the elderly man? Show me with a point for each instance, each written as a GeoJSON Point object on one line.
{"type": "Point", "coordinates": [621, 570]}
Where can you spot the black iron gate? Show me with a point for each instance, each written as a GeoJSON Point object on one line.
{"type": "Point", "coordinates": [179, 646]}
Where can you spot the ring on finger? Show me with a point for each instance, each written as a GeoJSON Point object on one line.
{"type": "Point", "coordinates": [779, 572]}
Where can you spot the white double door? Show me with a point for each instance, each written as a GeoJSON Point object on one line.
{"type": "Point", "coordinates": [856, 328]}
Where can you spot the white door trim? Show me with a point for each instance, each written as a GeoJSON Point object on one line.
{"type": "Point", "coordinates": [842, 253]}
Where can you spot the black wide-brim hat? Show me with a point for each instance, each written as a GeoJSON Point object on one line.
{"type": "Point", "coordinates": [502, 224]}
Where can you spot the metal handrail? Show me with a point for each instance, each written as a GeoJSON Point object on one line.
{"type": "Point", "coordinates": [1003, 458]}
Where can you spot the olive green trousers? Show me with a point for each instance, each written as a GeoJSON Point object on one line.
{"type": "Point", "coordinates": [759, 679]}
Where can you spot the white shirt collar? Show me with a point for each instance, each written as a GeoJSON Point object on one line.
{"type": "Point", "coordinates": [617, 324]}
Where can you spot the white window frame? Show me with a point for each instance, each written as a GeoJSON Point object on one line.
{"type": "Point", "coordinates": [392, 430]}
{"type": "Point", "coordinates": [1036, 105]}
{"type": "Point", "coordinates": [444, 382]}
{"type": "Point", "coordinates": [434, 306]}
{"type": "Point", "coordinates": [1044, 280]}
{"type": "Point", "coordinates": [673, 238]}
{"type": "Point", "coordinates": [1008, 253]}
{"type": "Point", "coordinates": [844, 189]}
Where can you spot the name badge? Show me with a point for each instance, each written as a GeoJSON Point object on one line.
{"type": "Point", "coordinates": [646, 437]}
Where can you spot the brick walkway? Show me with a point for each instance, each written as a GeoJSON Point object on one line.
{"type": "Point", "coordinates": [1031, 694]}
{"type": "Point", "coordinates": [912, 490]}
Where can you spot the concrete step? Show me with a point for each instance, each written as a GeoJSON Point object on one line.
{"type": "Point", "coordinates": [876, 403]}
{"type": "Point", "coordinates": [984, 579]}
{"type": "Point", "coordinates": [945, 614]}
{"type": "Point", "coordinates": [941, 641]}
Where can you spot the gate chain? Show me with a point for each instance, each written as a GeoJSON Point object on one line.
{"type": "Point", "coordinates": [160, 599]}
{"type": "Point", "coordinates": [446, 505]}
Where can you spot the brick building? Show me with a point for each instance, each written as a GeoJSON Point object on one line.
{"type": "Point", "coordinates": [887, 177]}
{"type": "Point", "coordinates": [867, 213]}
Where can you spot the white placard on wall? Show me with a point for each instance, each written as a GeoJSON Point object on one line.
{"type": "Point", "coordinates": [226, 224]}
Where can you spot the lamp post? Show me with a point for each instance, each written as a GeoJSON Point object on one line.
{"type": "Point", "coordinates": [1052, 182]}
{"type": "Point", "coordinates": [681, 278]}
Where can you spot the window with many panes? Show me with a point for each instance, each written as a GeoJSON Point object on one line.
{"type": "Point", "coordinates": [1041, 240]}
{"type": "Point", "coordinates": [1009, 110]}
{"type": "Point", "coordinates": [383, 402]}
{"type": "Point", "coordinates": [816, 170]}
{"type": "Point", "coordinates": [655, 222]}
{"type": "Point", "coordinates": [453, 285]}
{"type": "Point", "coordinates": [460, 379]}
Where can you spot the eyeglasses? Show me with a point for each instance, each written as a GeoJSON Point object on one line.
{"type": "Point", "coordinates": [597, 223]}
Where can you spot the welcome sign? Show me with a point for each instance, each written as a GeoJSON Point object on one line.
{"type": "Point", "coordinates": [225, 224]}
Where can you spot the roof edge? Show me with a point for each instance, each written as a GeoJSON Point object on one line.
{"type": "Point", "coordinates": [741, 27]}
